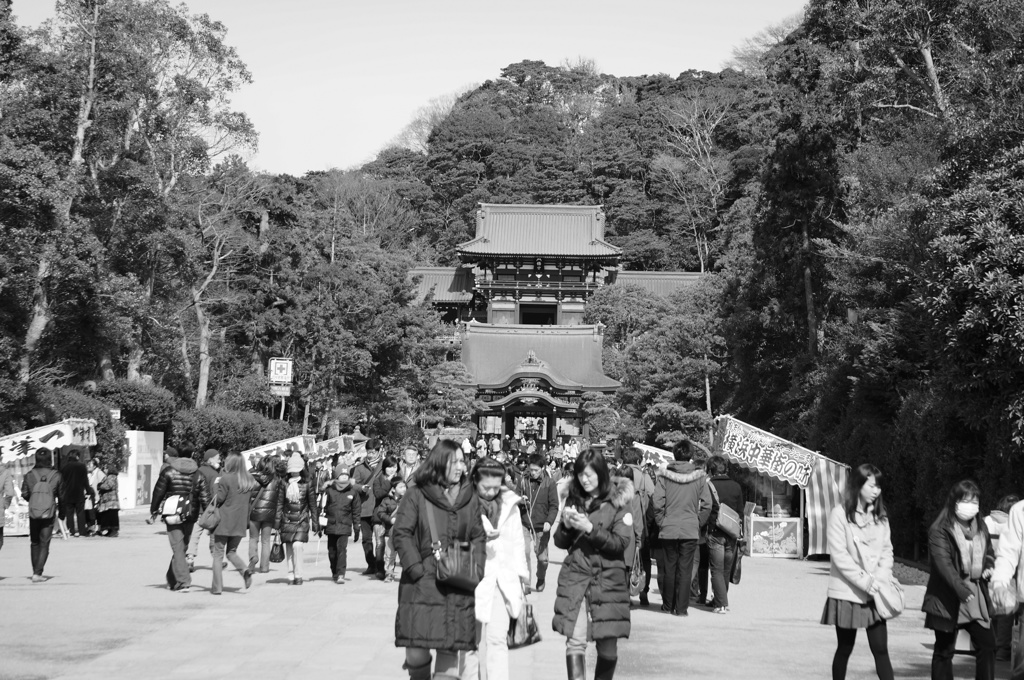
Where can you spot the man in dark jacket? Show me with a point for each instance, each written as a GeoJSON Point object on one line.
{"type": "Point", "coordinates": [363, 477]}
{"type": "Point", "coordinates": [682, 505]}
{"type": "Point", "coordinates": [210, 470]}
{"type": "Point", "coordinates": [76, 487]}
{"type": "Point", "coordinates": [181, 478]}
{"type": "Point", "coordinates": [48, 483]}
{"type": "Point", "coordinates": [538, 510]}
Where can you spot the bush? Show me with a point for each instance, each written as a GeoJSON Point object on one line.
{"type": "Point", "coordinates": [225, 430]}
{"type": "Point", "coordinates": [57, 403]}
{"type": "Point", "coordinates": [143, 407]}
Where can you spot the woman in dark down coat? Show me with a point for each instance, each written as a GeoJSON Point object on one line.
{"type": "Point", "coordinates": [596, 529]}
{"type": "Point", "coordinates": [296, 514]}
{"type": "Point", "coordinates": [432, 615]}
{"type": "Point", "coordinates": [264, 512]}
{"type": "Point", "coordinates": [957, 594]}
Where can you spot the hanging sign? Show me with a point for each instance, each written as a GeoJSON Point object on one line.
{"type": "Point", "coordinates": [304, 444]}
{"type": "Point", "coordinates": [281, 390]}
{"type": "Point", "coordinates": [762, 451]}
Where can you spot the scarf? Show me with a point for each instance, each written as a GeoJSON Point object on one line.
{"type": "Point", "coordinates": [292, 492]}
{"type": "Point", "coordinates": [972, 554]}
{"type": "Point", "coordinates": [492, 509]}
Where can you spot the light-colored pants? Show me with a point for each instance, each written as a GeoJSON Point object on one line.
{"type": "Point", "coordinates": [536, 553]}
{"type": "Point", "coordinates": [260, 536]}
{"type": "Point", "coordinates": [293, 558]}
{"type": "Point", "coordinates": [577, 642]}
{"type": "Point", "coordinates": [446, 665]}
{"type": "Point", "coordinates": [490, 661]}
{"type": "Point", "coordinates": [193, 544]}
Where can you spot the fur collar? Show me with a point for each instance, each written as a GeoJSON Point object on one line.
{"type": "Point", "coordinates": [621, 492]}
{"type": "Point", "coordinates": [682, 477]}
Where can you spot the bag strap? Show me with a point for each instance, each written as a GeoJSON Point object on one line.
{"type": "Point", "coordinates": [435, 542]}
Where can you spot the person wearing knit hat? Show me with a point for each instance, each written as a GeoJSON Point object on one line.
{"type": "Point", "coordinates": [341, 506]}
{"type": "Point", "coordinates": [210, 470]}
{"type": "Point", "coordinates": [297, 514]}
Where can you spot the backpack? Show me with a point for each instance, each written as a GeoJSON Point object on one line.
{"type": "Point", "coordinates": [41, 503]}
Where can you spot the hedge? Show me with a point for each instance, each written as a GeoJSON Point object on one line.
{"type": "Point", "coordinates": [225, 430]}
{"type": "Point", "coordinates": [57, 403]}
{"type": "Point", "coordinates": [143, 407]}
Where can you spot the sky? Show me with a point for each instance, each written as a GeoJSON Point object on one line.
{"type": "Point", "coordinates": [336, 80]}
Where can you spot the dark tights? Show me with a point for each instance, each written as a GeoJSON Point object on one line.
{"type": "Point", "coordinates": [878, 640]}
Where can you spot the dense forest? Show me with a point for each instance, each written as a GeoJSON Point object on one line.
{"type": "Point", "coordinates": [852, 190]}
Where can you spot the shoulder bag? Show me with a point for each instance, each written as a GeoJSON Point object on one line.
{"type": "Point", "coordinates": [728, 520]}
{"type": "Point", "coordinates": [890, 598]}
{"type": "Point", "coordinates": [456, 563]}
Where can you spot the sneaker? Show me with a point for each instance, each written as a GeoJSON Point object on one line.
{"type": "Point", "coordinates": [247, 577]}
{"type": "Point", "coordinates": [340, 580]}
{"type": "Point", "coordinates": [298, 582]}
{"type": "Point", "coordinates": [370, 571]}
{"type": "Point", "coordinates": [184, 590]}
{"type": "Point", "coordinates": [720, 610]}
{"type": "Point", "coordinates": [191, 565]}
{"type": "Point", "coordinates": [540, 587]}
{"type": "Point", "coordinates": [680, 613]}
{"type": "Point", "coordinates": [390, 578]}
{"type": "Point", "coordinates": [38, 578]}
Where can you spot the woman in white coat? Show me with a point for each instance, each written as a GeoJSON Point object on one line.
{"type": "Point", "coordinates": [500, 595]}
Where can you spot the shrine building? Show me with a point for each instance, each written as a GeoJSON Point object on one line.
{"type": "Point", "coordinates": [517, 301]}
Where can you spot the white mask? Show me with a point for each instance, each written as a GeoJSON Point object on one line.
{"type": "Point", "coordinates": [967, 510]}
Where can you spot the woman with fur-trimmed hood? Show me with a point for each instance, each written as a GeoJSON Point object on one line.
{"type": "Point", "coordinates": [592, 601]}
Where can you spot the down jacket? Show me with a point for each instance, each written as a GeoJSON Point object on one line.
{"type": "Point", "coordinates": [432, 615]}
{"type": "Point", "coordinates": [295, 518]}
{"type": "Point", "coordinates": [179, 478]}
{"type": "Point", "coordinates": [264, 506]}
{"type": "Point", "coordinates": [594, 571]}
{"type": "Point", "coordinates": [341, 506]}
{"type": "Point", "coordinates": [947, 582]}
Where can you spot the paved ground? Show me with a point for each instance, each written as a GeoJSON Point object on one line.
{"type": "Point", "coordinates": [106, 614]}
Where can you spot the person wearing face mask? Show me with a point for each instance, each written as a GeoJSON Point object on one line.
{"type": "Point", "coordinates": [500, 595]}
{"type": "Point", "coordinates": [957, 596]}
{"type": "Point", "coordinates": [592, 600]}
{"type": "Point", "coordinates": [860, 548]}
{"type": "Point", "coordinates": [433, 615]}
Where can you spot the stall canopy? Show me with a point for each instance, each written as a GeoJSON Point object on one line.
{"type": "Point", "coordinates": [18, 451]}
{"type": "Point", "coordinates": [304, 444]}
{"type": "Point", "coordinates": [821, 479]}
{"type": "Point", "coordinates": [346, 443]}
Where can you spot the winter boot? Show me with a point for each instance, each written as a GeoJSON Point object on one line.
{"type": "Point", "coordinates": [576, 666]}
{"type": "Point", "coordinates": [419, 672]}
{"type": "Point", "coordinates": [605, 668]}
{"type": "Point", "coordinates": [542, 569]}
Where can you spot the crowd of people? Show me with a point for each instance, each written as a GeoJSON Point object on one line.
{"type": "Point", "coordinates": [469, 527]}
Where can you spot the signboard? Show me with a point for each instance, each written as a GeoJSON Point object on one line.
{"type": "Point", "coordinates": [280, 371]}
{"type": "Point", "coordinates": [759, 450]}
{"type": "Point", "coordinates": [342, 444]}
{"type": "Point", "coordinates": [304, 444]}
{"type": "Point", "coordinates": [115, 414]}
{"type": "Point", "coordinates": [16, 518]}
{"type": "Point", "coordinates": [768, 537]}
{"type": "Point", "coordinates": [70, 432]}
{"type": "Point", "coordinates": [281, 390]}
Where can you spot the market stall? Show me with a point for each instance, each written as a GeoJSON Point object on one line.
{"type": "Point", "coordinates": [18, 454]}
{"type": "Point", "coordinates": [789, 483]}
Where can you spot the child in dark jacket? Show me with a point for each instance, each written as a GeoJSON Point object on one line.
{"type": "Point", "coordinates": [383, 518]}
{"type": "Point", "coordinates": [342, 505]}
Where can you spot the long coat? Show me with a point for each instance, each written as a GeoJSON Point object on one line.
{"type": "Point", "coordinates": [506, 566]}
{"type": "Point", "coordinates": [295, 518]}
{"type": "Point", "coordinates": [594, 571]}
{"type": "Point", "coordinates": [947, 582]}
{"type": "Point", "coordinates": [432, 615]}
{"type": "Point", "coordinates": [234, 507]}
{"type": "Point", "coordinates": [108, 500]}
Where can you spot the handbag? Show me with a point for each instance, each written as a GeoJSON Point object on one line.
{"type": "Point", "coordinates": [637, 576]}
{"type": "Point", "coordinates": [523, 631]}
{"type": "Point", "coordinates": [737, 566]}
{"type": "Point", "coordinates": [727, 520]}
{"type": "Point", "coordinates": [456, 563]}
{"type": "Point", "coordinates": [210, 517]}
{"type": "Point", "coordinates": [277, 550]}
{"type": "Point", "coordinates": [890, 598]}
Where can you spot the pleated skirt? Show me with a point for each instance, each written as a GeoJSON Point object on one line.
{"type": "Point", "coordinates": [846, 614]}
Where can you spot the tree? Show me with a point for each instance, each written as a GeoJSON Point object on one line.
{"type": "Point", "coordinates": [748, 56]}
